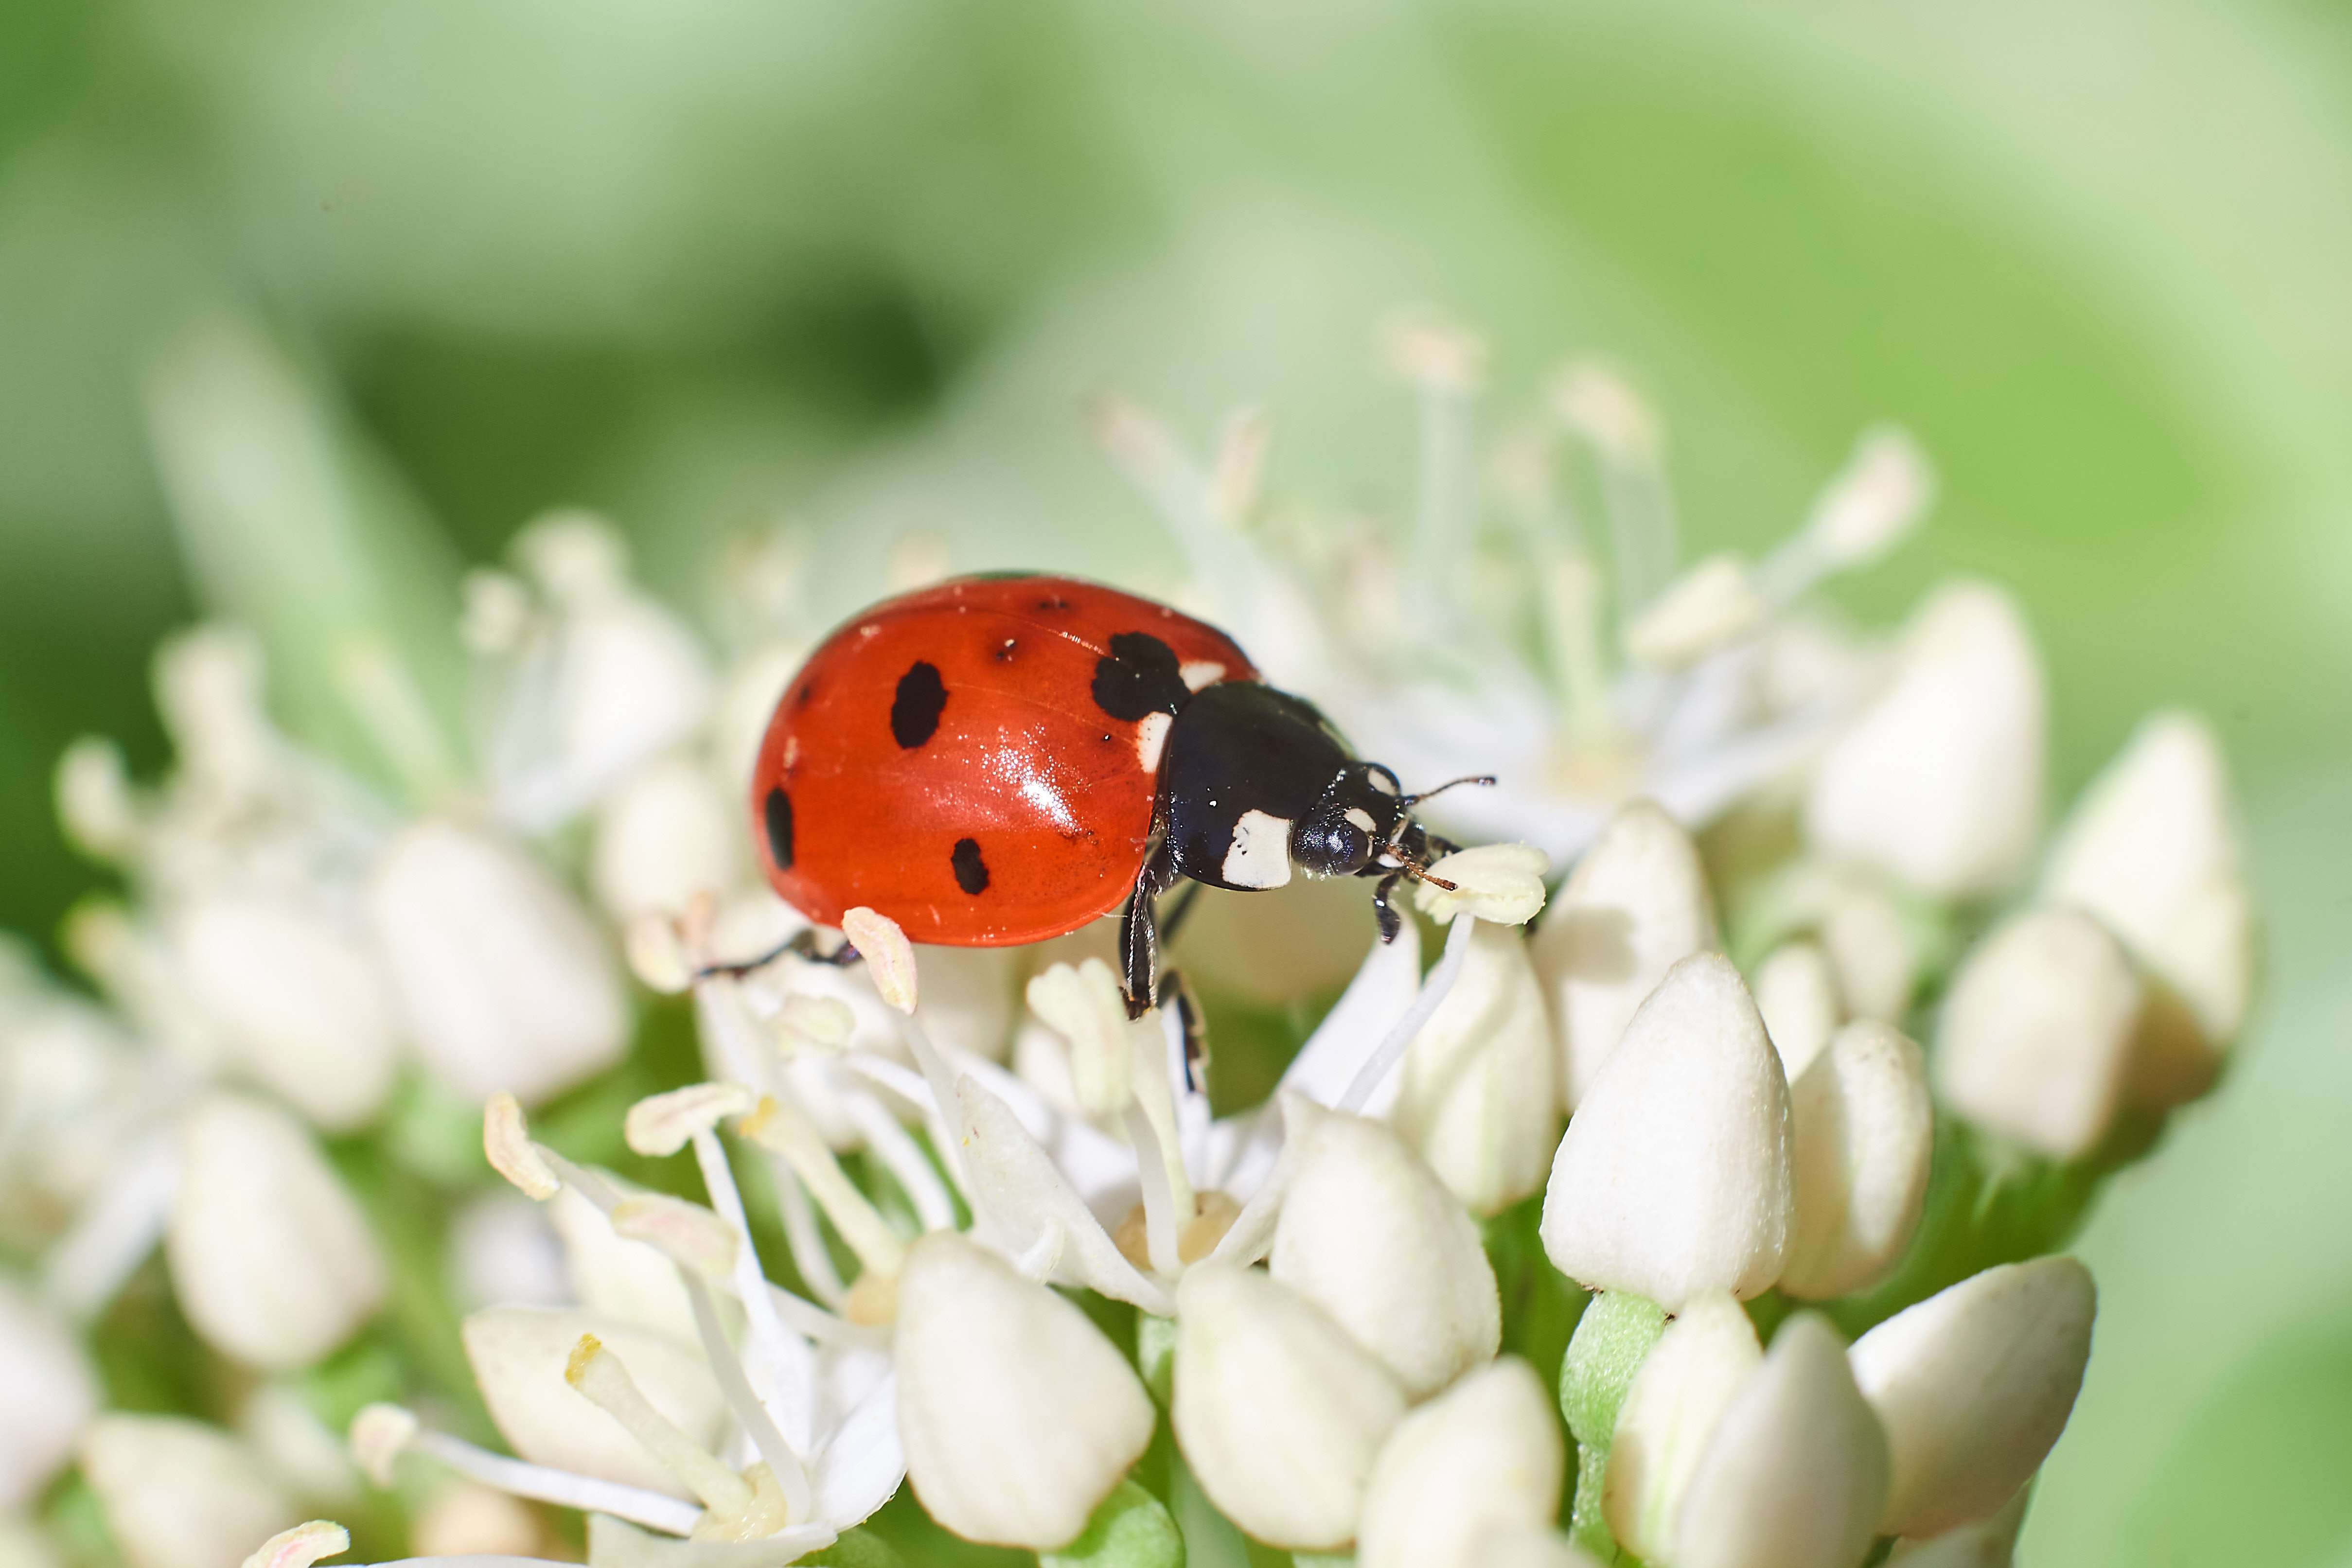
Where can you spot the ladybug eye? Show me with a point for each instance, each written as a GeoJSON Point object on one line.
{"type": "Point", "coordinates": [1332, 845]}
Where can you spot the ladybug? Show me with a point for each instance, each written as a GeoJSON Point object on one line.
{"type": "Point", "coordinates": [998, 760]}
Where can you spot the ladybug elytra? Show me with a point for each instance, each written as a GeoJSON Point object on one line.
{"type": "Point", "coordinates": [999, 759]}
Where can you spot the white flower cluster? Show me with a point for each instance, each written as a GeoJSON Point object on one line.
{"type": "Point", "coordinates": [1008, 1235]}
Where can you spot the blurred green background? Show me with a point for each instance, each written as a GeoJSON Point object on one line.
{"type": "Point", "coordinates": [706, 263]}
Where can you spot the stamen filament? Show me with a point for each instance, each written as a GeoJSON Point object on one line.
{"type": "Point", "coordinates": [1434, 991]}
{"type": "Point", "coordinates": [783, 1357]}
{"type": "Point", "coordinates": [114, 1234]}
{"type": "Point", "coordinates": [380, 695]}
{"type": "Point", "coordinates": [779, 1126]}
{"type": "Point", "coordinates": [601, 1378]}
{"type": "Point", "coordinates": [541, 1483]}
{"type": "Point", "coordinates": [904, 1159]}
{"type": "Point", "coordinates": [1160, 1213]}
{"type": "Point", "coordinates": [1153, 1096]}
{"type": "Point", "coordinates": [784, 1463]}
{"type": "Point", "coordinates": [802, 1238]}
{"type": "Point", "coordinates": [1572, 605]}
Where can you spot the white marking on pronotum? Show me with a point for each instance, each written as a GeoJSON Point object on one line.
{"type": "Point", "coordinates": [1260, 856]}
{"type": "Point", "coordinates": [1200, 673]}
{"type": "Point", "coordinates": [1382, 782]}
{"type": "Point", "coordinates": [1361, 818]}
{"type": "Point", "coordinates": [1151, 739]}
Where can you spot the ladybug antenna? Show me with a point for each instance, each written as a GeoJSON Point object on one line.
{"type": "Point", "coordinates": [1416, 872]}
{"type": "Point", "coordinates": [1483, 778]}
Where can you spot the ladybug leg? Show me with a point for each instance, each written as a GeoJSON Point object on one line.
{"type": "Point", "coordinates": [1139, 931]}
{"type": "Point", "coordinates": [803, 942]}
{"type": "Point", "coordinates": [1173, 921]}
{"type": "Point", "coordinates": [1383, 910]}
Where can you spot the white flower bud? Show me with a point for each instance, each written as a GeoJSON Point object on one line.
{"type": "Point", "coordinates": [1502, 884]}
{"type": "Point", "coordinates": [466, 1519]}
{"type": "Point", "coordinates": [1278, 1412]}
{"type": "Point", "coordinates": [505, 982]}
{"type": "Point", "coordinates": [51, 1392]}
{"type": "Point", "coordinates": [1797, 995]}
{"type": "Point", "coordinates": [1939, 781]}
{"type": "Point", "coordinates": [1528, 1546]}
{"type": "Point", "coordinates": [1988, 1544]}
{"type": "Point", "coordinates": [1636, 905]}
{"type": "Point", "coordinates": [1796, 1473]}
{"type": "Point", "coordinates": [518, 1355]}
{"type": "Point", "coordinates": [179, 1493]}
{"type": "Point", "coordinates": [1081, 1003]}
{"type": "Point", "coordinates": [94, 803]}
{"type": "Point", "coordinates": [1370, 1234]}
{"type": "Point", "coordinates": [1869, 948]}
{"type": "Point", "coordinates": [2038, 1031]}
{"type": "Point", "coordinates": [1674, 1180]}
{"type": "Point", "coordinates": [1973, 1385]}
{"type": "Point", "coordinates": [1018, 1416]}
{"type": "Point", "coordinates": [1485, 1455]}
{"type": "Point", "coordinates": [2152, 851]}
{"type": "Point", "coordinates": [1862, 1126]}
{"type": "Point", "coordinates": [665, 834]}
{"type": "Point", "coordinates": [1671, 1411]}
{"type": "Point", "coordinates": [1476, 1096]}
{"type": "Point", "coordinates": [272, 1260]}
{"type": "Point", "coordinates": [302, 1546]}
{"type": "Point", "coordinates": [301, 1006]}
{"type": "Point", "coordinates": [1708, 607]}
{"type": "Point", "coordinates": [299, 1448]}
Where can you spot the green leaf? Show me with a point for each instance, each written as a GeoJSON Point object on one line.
{"type": "Point", "coordinates": [1155, 1355]}
{"type": "Point", "coordinates": [1611, 1342]}
{"type": "Point", "coordinates": [1131, 1530]}
{"type": "Point", "coordinates": [856, 1549]}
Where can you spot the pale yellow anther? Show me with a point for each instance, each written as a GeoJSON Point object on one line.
{"type": "Point", "coordinates": [505, 1140]}
{"type": "Point", "coordinates": [657, 957]}
{"type": "Point", "coordinates": [889, 956]}
{"type": "Point", "coordinates": [665, 1123]}
{"type": "Point", "coordinates": [1239, 467]}
{"type": "Point", "coordinates": [1701, 613]}
{"type": "Point", "coordinates": [1433, 352]}
{"type": "Point", "coordinates": [380, 1434]}
{"type": "Point", "coordinates": [605, 1383]}
{"type": "Point", "coordinates": [1598, 405]}
{"type": "Point", "coordinates": [302, 1545]}
{"type": "Point", "coordinates": [816, 1023]}
{"type": "Point", "coordinates": [1499, 882]}
{"type": "Point", "coordinates": [686, 1233]}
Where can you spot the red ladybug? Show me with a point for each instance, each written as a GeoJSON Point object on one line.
{"type": "Point", "coordinates": [1001, 758]}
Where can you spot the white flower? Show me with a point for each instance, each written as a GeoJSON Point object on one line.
{"type": "Point", "coordinates": [1371, 1235]}
{"type": "Point", "coordinates": [1939, 781]}
{"type": "Point", "coordinates": [1673, 1178]}
{"type": "Point", "coordinates": [2038, 1032]}
{"type": "Point", "coordinates": [1795, 1475]}
{"type": "Point", "coordinates": [504, 981]}
{"type": "Point", "coordinates": [1476, 1099]}
{"type": "Point", "coordinates": [1671, 1411]}
{"type": "Point", "coordinates": [1869, 947]}
{"type": "Point", "coordinates": [301, 1004]}
{"type": "Point", "coordinates": [1988, 1544]}
{"type": "Point", "coordinates": [272, 1260]}
{"type": "Point", "coordinates": [664, 834]}
{"type": "Point", "coordinates": [1484, 1455]}
{"type": "Point", "coordinates": [1280, 1414]}
{"type": "Point", "coordinates": [2152, 851]}
{"type": "Point", "coordinates": [1973, 1385]}
{"type": "Point", "coordinates": [51, 1392]}
{"type": "Point", "coordinates": [1862, 1126]}
{"type": "Point", "coordinates": [1018, 1416]}
{"type": "Point", "coordinates": [1636, 905]}
{"type": "Point", "coordinates": [178, 1493]}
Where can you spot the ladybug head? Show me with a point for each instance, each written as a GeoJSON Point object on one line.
{"type": "Point", "coordinates": [1363, 826]}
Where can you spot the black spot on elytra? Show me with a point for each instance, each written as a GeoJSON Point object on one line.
{"type": "Point", "coordinates": [971, 871]}
{"type": "Point", "coordinates": [805, 696]}
{"type": "Point", "coordinates": [915, 711]}
{"type": "Point", "coordinates": [1004, 649]}
{"type": "Point", "coordinates": [777, 812]}
{"type": "Point", "coordinates": [1140, 676]}
{"type": "Point", "coordinates": [1053, 602]}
